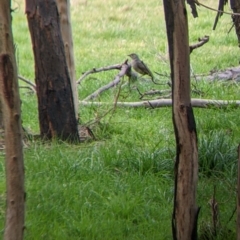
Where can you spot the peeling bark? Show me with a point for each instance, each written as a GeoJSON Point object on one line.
{"type": "Point", "coordinates": [238, 196]}
{"type": "Point", "coordinates": [10, 106]}
{"type": "Point", "coordinates": [66, 30]}
{"type": "Point", "coordinates": [185, 212]}
{"type": "Point", "coordinates": [235, 5]}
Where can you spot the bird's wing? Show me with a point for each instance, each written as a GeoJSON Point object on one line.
{"type": "Point", "coordinates": [146, 69]}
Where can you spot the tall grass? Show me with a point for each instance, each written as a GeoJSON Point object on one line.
{"type": "Point", "coordinates": [121, 185]}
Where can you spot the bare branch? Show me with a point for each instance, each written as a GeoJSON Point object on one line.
{"type": "Point", "coordinates": [201, 103]}
{"type": "Point", "coordinates": [193, 7]}
{"type": "Point", "coordinates": [28, 82]}
{"type": "Point", "coordinates": [201, 42]}
{"type": "Point", "coordinates": [125, 70]}
{"type": "Point", "coordinates": [153, 92]}
{"type": "Point", "coordinates": [28, 87]}
{"type": "Point", "coordinates": [221, 4]}
{"type": "Point", "coordinates": [97, 70]}
{"type": "Point", "coordinates": [213, 9]}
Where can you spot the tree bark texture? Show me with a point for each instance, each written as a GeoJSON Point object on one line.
{"type": "Point", "coordinates": [185, 212]}
{"type": "Point", "coordinates": [66, 30]}
{"type": "Point", "coordinates": [55, 99]}
{"type": "Point", "coordinates": [10, 103]}
{"type": "Point", "coordinates": [235, 6]}
{"type": "Point", "coordinates": [238, 196]}
{"type": "Point", "coordinates": [1, 117]}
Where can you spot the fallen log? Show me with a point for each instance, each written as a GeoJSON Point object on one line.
{"type": "Point", "coordinates": [201, 103]}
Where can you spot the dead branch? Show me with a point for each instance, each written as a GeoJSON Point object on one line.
{"type": "Point", "coordinates": [125, 70]}
{"type": "Point", "coordinates": [212, 9]}
{"type": "Point", "coordinates": [29, 87]}
{"type": "Point", "coordinates": [33, 86]}
{"type": "Point", "coordinates": [97, 70]}
{"type": "Point", "coordinates": [193, 7]}
{"type": "Point", "coordinates": [215, 211]}
{"type": "Point", "coordinates": [153, 92]}
{"type": "Point", "coordinates": [219, 14]}
{"type": "Point", "coordinates": [201, 42]}
{"type": "Point", "coordinates": [201, 103]}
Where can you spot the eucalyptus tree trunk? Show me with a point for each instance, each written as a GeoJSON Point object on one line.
{"type": "Point", "coordinates": [1, 117]}
{"type": "Point", "coordinates": [185, 212]}
{"type": "Point", "coordinates": [238, 196]}
{"type": "Point", "coordinates": [66, 30]}
{"type": "Point", "coordinates": [10, 106]}
{"type": "Point", "coordinates": [55, 99]}
{"type": "Point", "coordinates": [235, 5]}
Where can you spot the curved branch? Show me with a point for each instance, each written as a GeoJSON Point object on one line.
{"type": "Point", "coordinates": [96, 70]}
{"type": "Point", "coordinates": [201, 42]}
{"type": "Point", "coordinates": [213, 9]}
{"type": "Point", "coordinates": [125, 70]}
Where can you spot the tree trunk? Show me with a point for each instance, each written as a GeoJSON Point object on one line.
{"type": "Point", "coordinates": [1, 117]}
{"type": "Point", "coordinates": [10, 104]}
{"type": "Point", "coordinates": [238, 196]}
{"type": "Point", "coordinates": [185, 212]}
{"type": "Point", "coordinates": [55, 99]}
{"type": "Point", "coordinates": [66, 30]}
{"type": "Point", "coordinates": [235, 6]}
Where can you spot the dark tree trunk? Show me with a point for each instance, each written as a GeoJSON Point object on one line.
{"type": "Point", "coordinates": [55, 98]}
{"type": "Point", "coordinates": [185, 212]}
{"type": "Point", "coordinates": [235, 5]}
{"type": "Point", "coordinates": [11, 116]}
{"type": "Point", "coordinates": [1, 117]}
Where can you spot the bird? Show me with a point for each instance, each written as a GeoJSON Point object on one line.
{"type": "Point", "coordinates": [139, 66]}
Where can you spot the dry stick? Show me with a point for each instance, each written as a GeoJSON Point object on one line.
{"type": "Point", "coordinates": [28, 87]}
{"type": "Point", "coordinates": [214, 208]}
{"type": "Point", "coordinates": [33, 86]}
{"type": "Point", "coordinates": [97, 120]}
{"type": "Point", "coordinates": [152, 92]}
{"type": "Point", "coordinates": [216, 10]}
{"type": "Point", "coordinates": [96, 70]}
{"type": "Point", "coordinates": [201, 103]}
{"type": "Point", "coordinates": [124, 71]}
{"type": "Point", "coordinates": [201, 42]}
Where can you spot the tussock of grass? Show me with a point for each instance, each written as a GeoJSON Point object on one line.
{"type": "Point", "coordinates": [121, 186]}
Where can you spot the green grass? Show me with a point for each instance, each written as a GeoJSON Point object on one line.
{"type": "Point", "coordinates": [121, 185]}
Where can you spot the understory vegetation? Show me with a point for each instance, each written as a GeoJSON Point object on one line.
{"type": "Point", "coordinates": [121, 185]}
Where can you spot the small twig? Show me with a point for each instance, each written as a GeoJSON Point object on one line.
{"type": "Point", "coordinates": [124, 71]}
{"type": "Point", "coordinates": [162, 75]}
{"type": "Point", "coordinates": [230, 28]}
{"type": "Point", "coordinates": [154, 92]}
{"type": "Point", "coordinates": [232, 215]}
{"type": "Point", "coordinates": [116, 98]}
{"type": "Point", "coordinates": [97, 70]}
{"type": "Point", "coordinates": [214, 207]}
{"type": "Point", "coordinates": [141, 95]}
{"type": "Point", "coordinates": [201, 42]}
{"type": "Point", "coordinates": [28, 87]}
{"type": "Point", "coordinates": [97, 119]}
{"type": "Point", "coordinates": [215, 10]}
{"type": "Point", "coordinates": [28, 82]}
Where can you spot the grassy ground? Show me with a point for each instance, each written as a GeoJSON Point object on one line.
{"type": "Point", "coordinates": [121, 186]}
